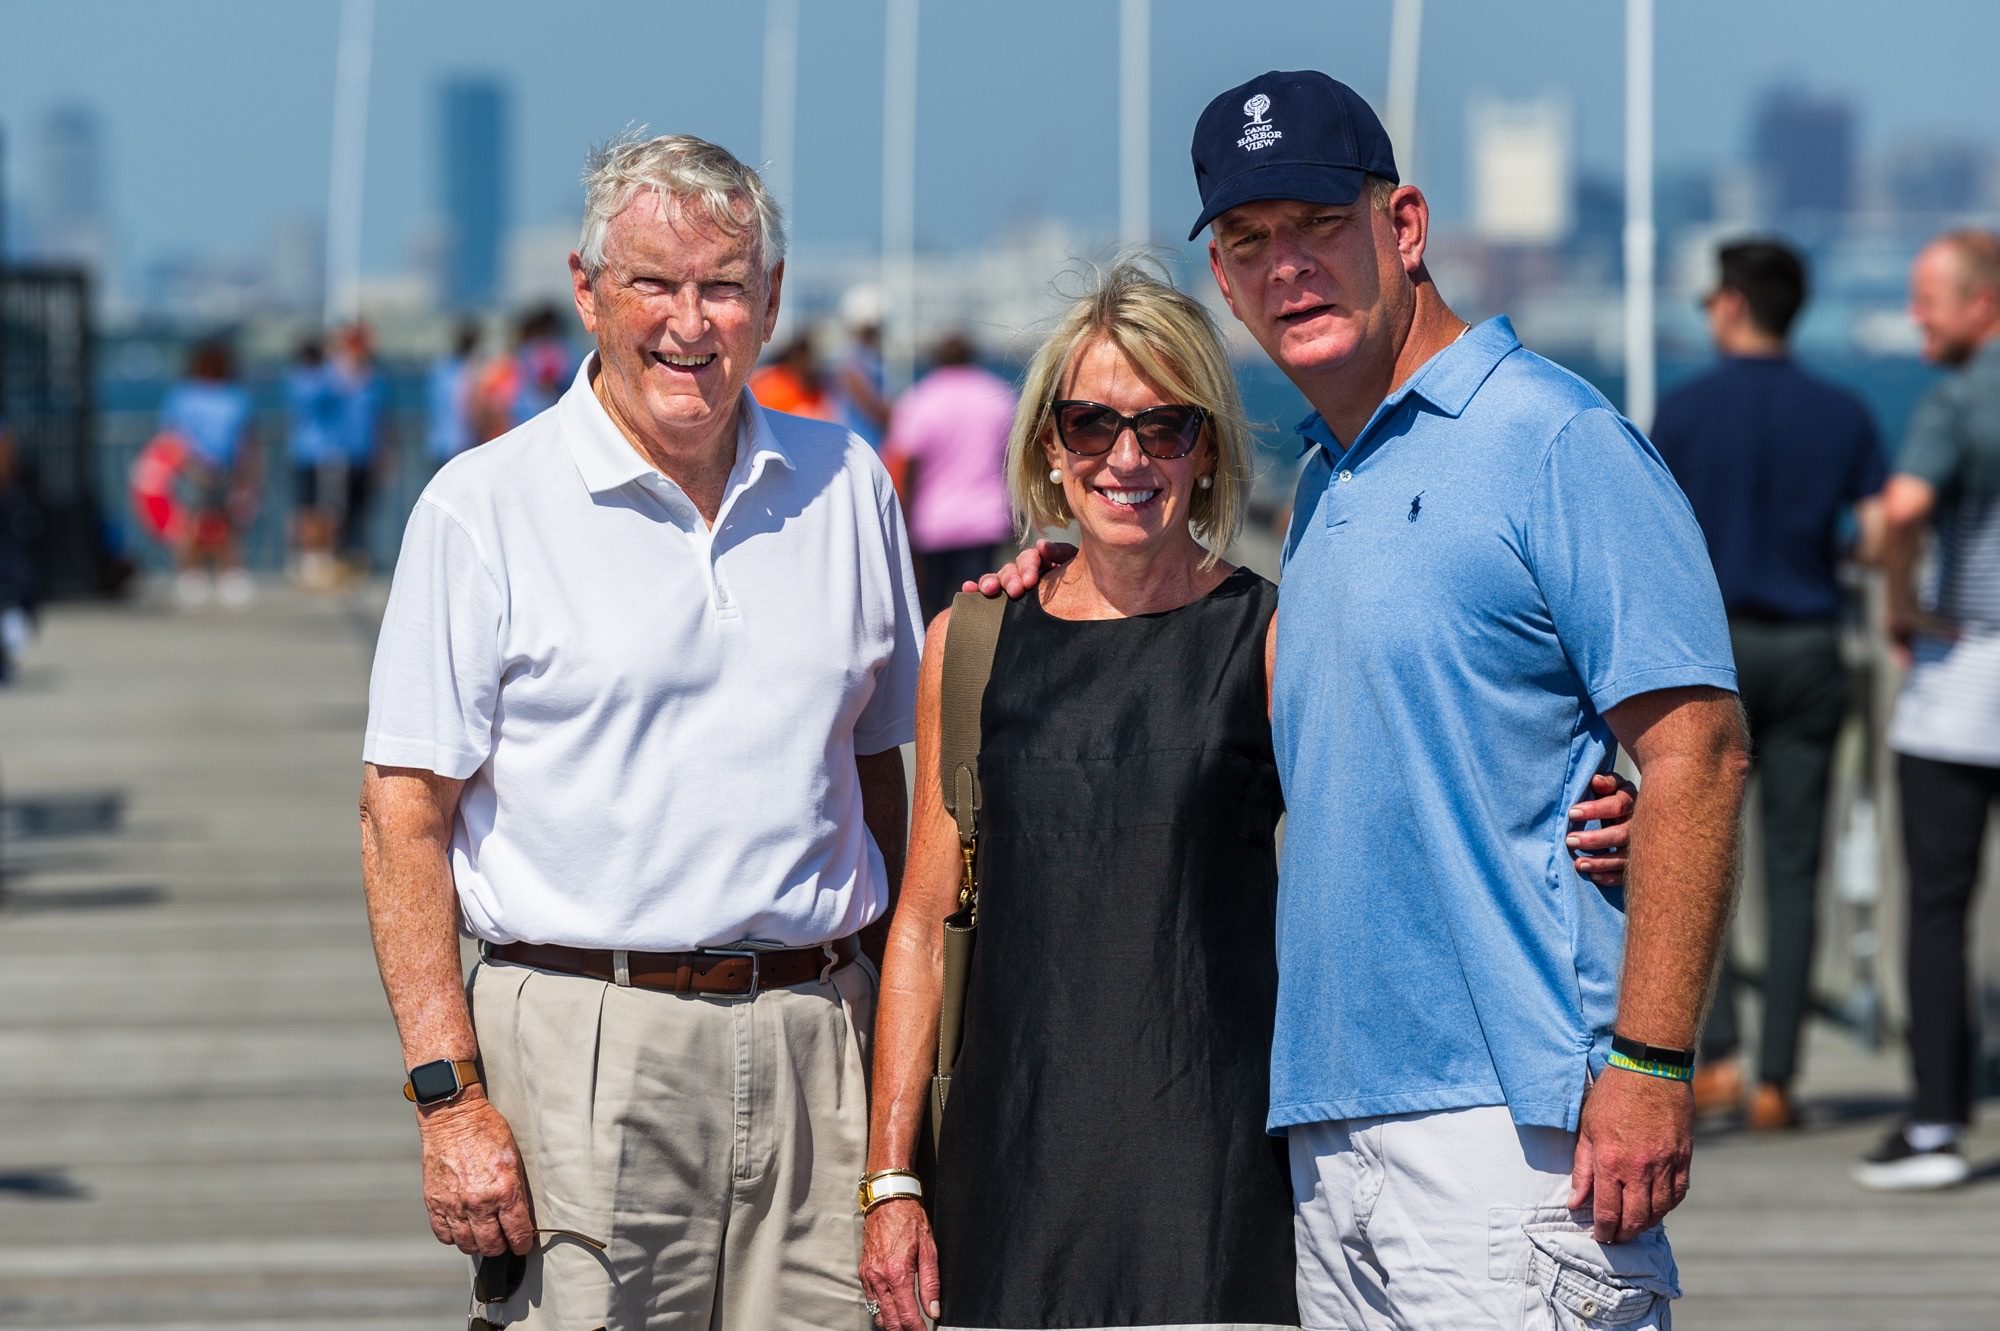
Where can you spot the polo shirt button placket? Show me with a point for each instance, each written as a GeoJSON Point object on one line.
{"type": "Point", "coordinates": [1336, 515]}
{"type": "Point", "coordinates": [726, 606]}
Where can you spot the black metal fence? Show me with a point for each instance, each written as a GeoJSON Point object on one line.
{"type": "Point", "coordinates": [46, 344]}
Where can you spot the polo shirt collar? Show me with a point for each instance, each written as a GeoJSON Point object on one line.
{"type": "Point", "coordinates": [1447, 380]}
{"type": "Point", "coordinates": [606, 460]}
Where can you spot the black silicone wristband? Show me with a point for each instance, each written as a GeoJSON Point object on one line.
{"type": "Point", "coordinates": [1640, 1052]}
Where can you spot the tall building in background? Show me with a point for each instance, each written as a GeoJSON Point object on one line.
{"type": "Point", "coordinates": [1803, 149]}
{"type": "Point", "coordinates": [476, 156]}
{"type": "Point", "coordinates": [1522, 186]}
{"type": "Point", "coordinates": [66, 216]}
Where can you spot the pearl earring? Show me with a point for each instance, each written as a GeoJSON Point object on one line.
{"type": "Point", "coordinates": [1055, 475]}
{"type": "Point", "coordinates": [1205, 482]}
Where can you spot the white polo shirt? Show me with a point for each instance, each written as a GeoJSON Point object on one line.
{"type": "Point", "coordinates": [657, 721]}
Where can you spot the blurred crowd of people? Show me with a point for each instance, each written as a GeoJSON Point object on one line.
{"type": "Point", "coordinates": [1787, 476]}
{"type": "Point", "coordinates": [198, 483]}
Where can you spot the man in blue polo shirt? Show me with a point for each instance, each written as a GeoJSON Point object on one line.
{"type": "Point", "coordinates": [1491, 582]}
{"type": "Point", "coordinates": [1774, 461]}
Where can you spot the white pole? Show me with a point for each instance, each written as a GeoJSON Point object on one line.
{"type": "Point", "coordinates": [1406, 23]}
{"type": "Point", "coordinates": [1134, 144]}
{"type": "Point", "coordinates": [781, 99]}
{"type": "Point", "coordinates": [899, 192]}
{"type": "Point", "coordinates": [781, 95]}
{"type": "Point", "coordinates": [1640, 368]}
{"type": "Point", "coordinates": [350, 158]}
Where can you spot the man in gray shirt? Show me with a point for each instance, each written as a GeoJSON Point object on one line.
{"type": "Point", "coordinates": [1946, 731]}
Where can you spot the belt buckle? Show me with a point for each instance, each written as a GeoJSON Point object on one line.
{"type": "Point", "coordinates": [756, 965]}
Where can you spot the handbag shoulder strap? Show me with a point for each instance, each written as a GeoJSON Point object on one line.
{"type": "Point", "coordinates": [969, 644]}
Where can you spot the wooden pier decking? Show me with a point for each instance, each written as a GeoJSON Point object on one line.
{"type": "Point", "coordinates": [199, 1118]}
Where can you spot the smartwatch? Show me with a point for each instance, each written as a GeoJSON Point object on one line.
{"type": "Point", "coordinates": [440, 1080]}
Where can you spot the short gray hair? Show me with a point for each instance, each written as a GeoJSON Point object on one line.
{"type": "Point", "coordinates": [682, 167]}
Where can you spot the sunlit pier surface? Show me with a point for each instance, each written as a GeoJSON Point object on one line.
{"type": "Point", "coordinates": [199, 1118]}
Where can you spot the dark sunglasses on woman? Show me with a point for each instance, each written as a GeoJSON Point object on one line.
{"type": "Point", "coordinates": [1091, 429]}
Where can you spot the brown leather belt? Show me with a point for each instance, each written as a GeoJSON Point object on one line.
{"type": "Point", "coordinates": [710, 971]}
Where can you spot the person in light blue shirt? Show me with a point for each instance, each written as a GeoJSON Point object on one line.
{"type": "Point", "coordinates": [319, 470]}
{"type": "Point", "coordinates": [359, 434]}
{"type": "Point", "coordinates": [210, 412]}
{"type": "Point", "coordinates": [448, 398]}
{"type": "Point", "coordinates": [1491, 583]}
{"type": "Point", "coordinates": [860, 391]}
{"type": "Point", "coordinates": [210, 409]}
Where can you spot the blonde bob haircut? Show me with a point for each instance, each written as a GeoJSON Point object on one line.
{"type": "Point", "coordinates": [1174, 345]}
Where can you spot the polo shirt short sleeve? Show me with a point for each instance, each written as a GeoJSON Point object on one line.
{"type": "Point", "coordinates": [656, 718]}
{"type": "Point", "coordinates": [1931, 449]}
{"type": "Point", "coordinates": [437, 678]}
{"type": "Point", "coordinates": [1495, 562]}
{"type": "Point", "coordinates": [1605, 538]}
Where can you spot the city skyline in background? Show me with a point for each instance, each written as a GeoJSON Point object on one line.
{"type": "Point", "coordinates": [182, 151]}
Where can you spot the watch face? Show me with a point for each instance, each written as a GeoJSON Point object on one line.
{"type": "Point", "coordinates": [434, 1081]}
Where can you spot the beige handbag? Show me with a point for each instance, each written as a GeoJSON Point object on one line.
{"type": "Point", "coordinates": [968, 664]}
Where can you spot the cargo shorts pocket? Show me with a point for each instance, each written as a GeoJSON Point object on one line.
{"type": "Point", "coordinates": [1578, 1284]}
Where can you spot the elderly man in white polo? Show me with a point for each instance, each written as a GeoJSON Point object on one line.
{"type": "Point", "coordinates": [633, 726]}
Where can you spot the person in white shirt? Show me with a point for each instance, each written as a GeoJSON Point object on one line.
{"type": "Point", "coordinates": [634, 726]}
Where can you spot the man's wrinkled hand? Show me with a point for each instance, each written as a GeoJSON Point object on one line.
{"type": "Point", "coordinates": [1025, 572]}
{"type": "Point", "coordinates": [899, 1268]}
{"type": "Point", "coordinates": [1634, 1149]}
{"type": "Point", "coordinates": [475, 1191]}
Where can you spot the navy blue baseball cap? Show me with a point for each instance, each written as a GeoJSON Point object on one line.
{"type": "Point", "coordinates": [1287, 135]}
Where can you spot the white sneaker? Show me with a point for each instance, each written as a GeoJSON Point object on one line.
{"type": "Point", "coordinates": [192, 588]}
{"type": "Point", "coordinates": [1897, 1166]}
{"type": "Point", "coordinates": [235, 589]}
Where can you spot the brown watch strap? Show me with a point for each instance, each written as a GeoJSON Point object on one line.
{"type": "Point", "coordinates": [466, 1069]}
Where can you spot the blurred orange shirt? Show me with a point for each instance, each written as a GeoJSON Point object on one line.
{"type": "Point", "coordinates": [776, 388]}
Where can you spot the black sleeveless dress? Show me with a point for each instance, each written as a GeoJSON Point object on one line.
{"type": "Point", "coordinates": [1103, 1160]}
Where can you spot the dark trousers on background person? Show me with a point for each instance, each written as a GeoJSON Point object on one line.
{"type": "Point", "coordinates": [1795, 691]}
{"type": "Point", "coordinates": [940, 573]}
{"type": "Point", "coordinates": [1944, 826]}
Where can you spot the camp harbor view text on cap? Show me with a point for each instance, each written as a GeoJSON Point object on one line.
{"type": "Point", "coordinates": [1287, 135]}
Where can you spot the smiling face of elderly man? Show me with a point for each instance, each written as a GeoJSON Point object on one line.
{"type": "Point", "coordinates": [681, 303]}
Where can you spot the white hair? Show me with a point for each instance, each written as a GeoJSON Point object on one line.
{"type": "Point", "coordinates": [680, 167]}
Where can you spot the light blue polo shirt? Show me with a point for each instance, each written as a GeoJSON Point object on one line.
{"type": "Point", "coordinates": [1498, 560]}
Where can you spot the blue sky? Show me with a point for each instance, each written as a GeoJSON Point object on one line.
{"type": "Point", "coordinates": [217, 113]}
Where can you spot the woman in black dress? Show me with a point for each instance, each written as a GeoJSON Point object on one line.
{"type": "Point", "coordinates": [1103, 1161]}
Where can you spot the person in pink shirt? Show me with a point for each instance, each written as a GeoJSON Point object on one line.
{"type": "Point", "coordinates": [950, 432]}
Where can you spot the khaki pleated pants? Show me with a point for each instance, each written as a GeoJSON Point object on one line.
{"type": "Point", "coordinates": [713, 1143]}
